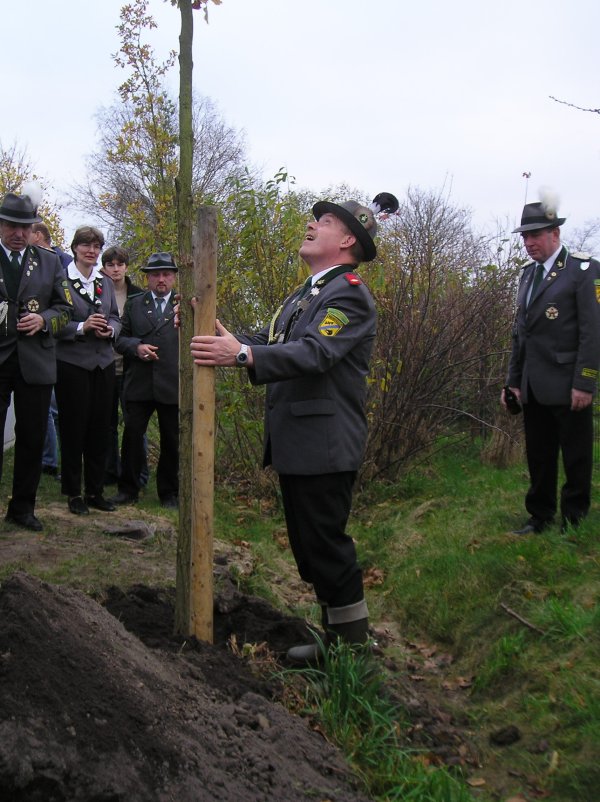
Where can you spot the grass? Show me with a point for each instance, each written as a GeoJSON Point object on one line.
{"type": "Point", "coordinates": [449, 573]}
{"type": "Point", "coordinates": [452, 570]}
{"type": "Point", "coordinates": [347, 693]}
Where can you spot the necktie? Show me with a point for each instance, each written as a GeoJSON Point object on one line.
{"type": "Point", "coordinates": [159, 305]}
{"type": "Point", "coordinates": [306, 288]}
{"type": "Point", "coordinates": [15, 259]}
{"type": "Point", "coordinates": [537, 280]}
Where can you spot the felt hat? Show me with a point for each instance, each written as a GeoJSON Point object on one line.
{"type": "Point", "coordinates": [160, 261]}
{"type": "Point", "coordinates": [19, 209]}
{"type": "Point", "coordinates": [360, 219]}
{"type": "Point", "coordinates": [542, 214]}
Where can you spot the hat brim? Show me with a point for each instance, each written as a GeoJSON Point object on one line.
{"type": "Point", "coordinates": [27, 221]}
{"type": "Point", "coordinates": [362, 235]}
{"type": "Point", "coordinates": [158, 267]}
{"type": "Point", "coordinates": [538, 226]}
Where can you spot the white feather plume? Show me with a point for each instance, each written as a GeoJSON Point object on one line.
{"type": "Point", "coordinates": [33, 191]}
{"type": "Point", "coordinates": [550, 201]}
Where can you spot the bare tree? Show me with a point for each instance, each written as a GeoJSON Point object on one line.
{"type": "Point", "coordinates": [444, 313]}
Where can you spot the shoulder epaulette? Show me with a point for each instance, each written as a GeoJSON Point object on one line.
{"type": "Point", "coordinates": [352, 279]}
{"type": "Point", "coordinates": [584, 257]}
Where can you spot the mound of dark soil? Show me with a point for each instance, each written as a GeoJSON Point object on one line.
{"type": "Point", "coordinates": [90, 711]}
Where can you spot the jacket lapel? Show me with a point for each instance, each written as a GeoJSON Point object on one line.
{"type": "Point", "coordinates": [554, 272]}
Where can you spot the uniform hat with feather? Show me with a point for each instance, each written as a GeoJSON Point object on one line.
{"type": "Point", "coordinates": [542, 214]}
{"type": "Point", "coordinates": [22, 208]}
{"type": "Point", "coordinates": [360, 219]}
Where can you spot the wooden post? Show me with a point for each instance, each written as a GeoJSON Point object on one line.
{"type": "Point", "coordinates": [194, 605]}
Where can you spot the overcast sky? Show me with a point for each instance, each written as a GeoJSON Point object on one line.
{"type": "Point", "coordinates": [381, 95]}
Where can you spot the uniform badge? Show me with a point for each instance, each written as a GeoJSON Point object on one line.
{"type": "Point", "coordinates": [333, 322]}
{"type": "Point", "coordinates": [33, 305]}
{"type": "Point", "coordinates": [597, 288]}
{"type": "Point", "coordinates": [68, 297]}
{"type": "Point", "coordinates": [584, 265]}
{"type": "Point", "coordinates": [551, 312]}
{"type": "Point", "coordinates": [589, 373]}
{"type": "Point", "coordinates": [353, 279]}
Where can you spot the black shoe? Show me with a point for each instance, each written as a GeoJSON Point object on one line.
{"type": "Point", "coordinates": [51, 470]}
{"type": "Point", "coordinates": [26, 519]}
{"type": "Point", "coordinates": [123, 498]}
{"type": "Point", "coordinates": [100, 503]}
{"type": "Point", "coordinates": [170, 502]}
{"type": "Point", "coordinates": [533, 526]}
{"type": "Point", "coordinates": [77, 506]}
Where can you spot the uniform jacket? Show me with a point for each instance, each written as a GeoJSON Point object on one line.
{"type": "Point", "coordinates": [556, 340]}
{"type": "Point", "coordinates": [316, 370]}
{"type": "Point", "coordinates": [154, 380]}
{"type": "Point", "coordinates": [86, 350]}
{"type": "Point", "coordinates": [42, 289]}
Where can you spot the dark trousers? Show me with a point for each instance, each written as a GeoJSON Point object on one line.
{"type": "Point", "coordinates": [316, 513]}
{"type": "Point", "coordinates": [548, 430]}
{"type": "Point", "coordinates": [137, 417]}
{"type": "Point", "coordinates": [31, 404]}
{"type": "Point", "coordinates": [83, 398]}
{"type": "Point", "coordinates": [113, 456]}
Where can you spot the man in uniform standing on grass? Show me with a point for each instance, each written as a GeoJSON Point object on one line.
{"type": "Point", "coordinates": [314, 358]}
{"type": "Point", "coordinates": [34, 305]}
{"type": "Point", "coordinates": [553, 367]}
{"type": "Point", "coordinates": [149, 342]}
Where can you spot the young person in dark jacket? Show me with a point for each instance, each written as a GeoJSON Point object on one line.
{"type": "Point", "coordinates": [314, 358]}
{"type": "Point", "coordinates": [115, 262]}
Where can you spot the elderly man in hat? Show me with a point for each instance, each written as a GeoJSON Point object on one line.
{"type": "Point", "coordinates": [149, 343]}
{"type": "Point", "coordinates": [553, 367]}
{"type": "Point", "coordinates": [34, 305]}
{"type": "Point", "coordinates": [314, 358]}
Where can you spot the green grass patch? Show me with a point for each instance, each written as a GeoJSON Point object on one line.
{"type": "Point", "coordinates": [347, 694]}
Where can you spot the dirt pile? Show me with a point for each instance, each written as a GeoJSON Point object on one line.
{"type": "Point", "coordinates": [89, 711]}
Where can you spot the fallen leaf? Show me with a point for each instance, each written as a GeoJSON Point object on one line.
{"type": "Point", "coordinates": [475, 782]}
{"type": "Point", "coordinates": [372, 577]}
{"type": "Point", "coordinates": [553, 762]}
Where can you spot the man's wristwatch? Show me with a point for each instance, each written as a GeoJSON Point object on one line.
{"type": "Point", "coordinates": [242, 357]}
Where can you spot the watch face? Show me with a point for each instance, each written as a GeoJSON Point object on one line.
{"type": "Point", "coordinates": [242, 357]}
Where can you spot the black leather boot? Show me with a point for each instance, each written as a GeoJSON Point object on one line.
{"type": "Point", "coordinates": [310, 653]}
{"type": "Point", "coordinates": [349, 624]}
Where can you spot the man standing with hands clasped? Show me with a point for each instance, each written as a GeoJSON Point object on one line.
{"type": "Point", "coordinates": [314, 358]}
{"type": "Point", "coordinates": [149, 343]}
{"type": "Point", "coordinates": [553, 368]}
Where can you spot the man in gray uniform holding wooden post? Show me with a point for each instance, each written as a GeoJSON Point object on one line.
{"type": "Point", "coordinates": [314, 358]}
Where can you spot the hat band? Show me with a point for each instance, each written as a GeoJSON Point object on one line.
{"type": "Point", "coordinates": [15, 213]}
